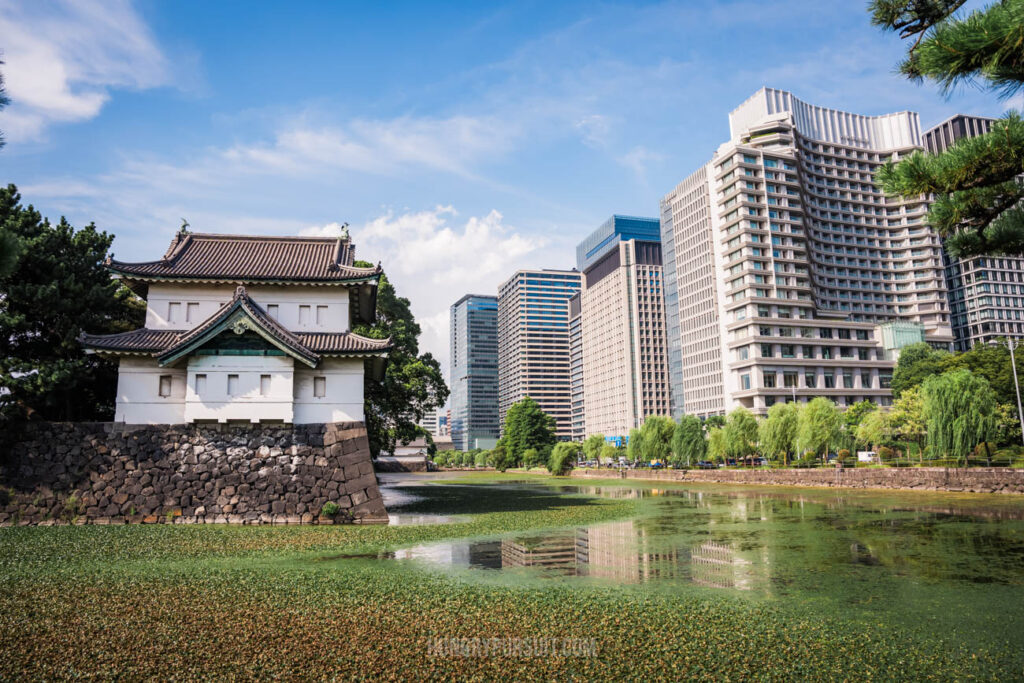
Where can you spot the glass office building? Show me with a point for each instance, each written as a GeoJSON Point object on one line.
{"type": "Point", "coordinates": [614, 230]}
{"type": "Point", "coordinates": [474, 371]}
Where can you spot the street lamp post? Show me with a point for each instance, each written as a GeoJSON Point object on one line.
{"type": "Point", "coordinates": [1011, 344]}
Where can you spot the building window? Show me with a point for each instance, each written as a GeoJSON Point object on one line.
{"type": "Point", "coordinates": [319, 387]}
{"type": "Point", "coordinates": [745, 381]}
{"type": "Point", "coordinates": [769, 379]}
{"type": "Point", "coordinates": [847, 379]}
{"type": "Point", "coordinates": [191, 311]}
{"type": "Point", "coordinates": [789, 380]}
{"type": "Point", "coordinates": [321, 316]}
{"type": "Point", "coordinates": [744, 352]}
{"type": "Point", "coordinates": [304, 315]}
{"type": "Point", "coordinates": [272, 311]}
{"type": "Point", "coordinates": [232, 385]}
{"type": "Point", "coordinates": [173, 311]}
{"type": "Point", "coordinates": [865, 379]}
{"type": "Point", "coordinates": [264, 385]}
{"type": "Point", "coordinates": [810, 380]}
{"type": "Point", "coordinates": [200, 384]}
{"type": "Point", "coordinates": [830, 380]}
{"type": "Point", "coordinates": [165, 385]}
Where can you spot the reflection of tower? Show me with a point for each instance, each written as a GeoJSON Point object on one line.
{"type": "Point", "coordinates": [485, 555]}
{"type": "Point", "coordinates": [623, 552]}
{"type": "Point", "coordinates": [552, 552]}
{"type": "Point", "coordinates": [719, 566]}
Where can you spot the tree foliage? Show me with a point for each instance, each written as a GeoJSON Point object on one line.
{"type": "Point", "coordinates": [856, 413]}
{"type": "Point", "coordinates": [563, 457]}
{"type": "Point", "coordinates": [820, 424]}
{"type": "Point", "coordinates": [875, 429]}
{"type": "Point", "coordinates": [917, 363]}
{"type": "Point", "coordinates": [950, 49]}
{"type": "Point", "coordinates": [528, 427]}
{"type": "Point", "coordinates": [58, 289]}
{"type": "Point", "coordinates": [689, 443]}
{"type": "Point", "coordinates": [412, 384]}
{"type": "Point", "coordinates": [716, 444]}
{"type": "Point", "coordinates": [656, 438]}
{"type": "Point", "coordinates": [635, 447]}
{"type": "Point", "coordinates": [592, 447]}
{"type": "Point", "coordinates": [740, 433]}
{"type": "Point", "coordinates": [778, 431]}
{"type": "Point", "coordinates": [959, 412]}
{"type": "Point", "coordinates": [976, 206]}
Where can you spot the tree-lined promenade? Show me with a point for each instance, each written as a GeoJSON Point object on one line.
{"type": "Point", "coordinates": [948, 409]}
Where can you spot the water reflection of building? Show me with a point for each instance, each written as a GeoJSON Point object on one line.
{"type": "Point", "coordinates": [624, 552]}
{"type": "Point", "coordinates": [556, 551]}
{"type": "Point", "coordinates": [718, 565]}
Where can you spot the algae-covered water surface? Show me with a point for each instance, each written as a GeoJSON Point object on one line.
{"type": "Point", "coordinates": [662, 582]}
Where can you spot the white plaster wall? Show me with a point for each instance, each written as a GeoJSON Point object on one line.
{"type": "Point", "coordinates": [344, 399]}
{"type": "Point", "coordinates": [138, 393]}
{"type": "Point", "coordinates": [208, 299]}
{"type": "Point", "coordinates": [214, 402]}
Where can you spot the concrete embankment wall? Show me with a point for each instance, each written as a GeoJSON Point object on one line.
{"type": "Point", "coordinates": [108, 473]}
{"type": "Point", "coordinates": [976, 480]}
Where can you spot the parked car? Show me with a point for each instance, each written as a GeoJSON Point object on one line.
{"type": "Point", "coordinates": [705, 465]}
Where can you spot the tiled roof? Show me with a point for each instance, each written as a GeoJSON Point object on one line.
{"type": "Point", "coordinates": [198, 256]}
{"type": "Point", "coordinates": [167, 344]}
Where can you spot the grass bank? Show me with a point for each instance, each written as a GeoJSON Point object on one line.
{"type": "Point", "coordinates": [181, 602]}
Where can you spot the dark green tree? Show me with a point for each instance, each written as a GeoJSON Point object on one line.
{"type": "Point", "coordinates": [715, 421]}
{"type": "Point", "coordinates": [58, 289]}
{"type": "Point", "coordinates": [528, 427]}
{"type": "Point", "coordinates": [993, 363]}
{"type": "Point", "coordinates": [976, 207]}
{"type": "Point", "coordinates": [412, 384]}
{"type": "Point", "coordinates": [689, 442]}
{"type": "Point", "coordinates": [917, 363]}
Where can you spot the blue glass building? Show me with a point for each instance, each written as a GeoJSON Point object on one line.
{"type": "Point", "coordinates": [614, 230]}
{"type": "Point", "coordinates": [474, 371]}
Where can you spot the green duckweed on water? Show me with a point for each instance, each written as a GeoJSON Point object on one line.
{"type": "Point", "coordinates": [669, 582]}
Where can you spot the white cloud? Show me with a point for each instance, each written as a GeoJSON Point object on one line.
{"type": "Point", "coordinates": [62, 60]}
{"type": "Point", "coordinates": [637, 160]}
{"type": "Point", "coordinates": [433, 259]}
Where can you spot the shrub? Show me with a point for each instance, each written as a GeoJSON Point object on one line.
{"type": "Point", "coordinates": [563, 455]}
{"type": "Point", "coordinates": [531, 458]}
{"type": "Point", "coordinates": [500, 458]}
{"type": "Point", "coordinates": [885, 453]}
{"type": "Point", "coordinates": [329, 509]}
{"type": "Point", "coordinates": [842, 455]}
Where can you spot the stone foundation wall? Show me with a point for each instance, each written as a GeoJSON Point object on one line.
{"type": "Point", "coordinates": [975, 480]}
{"type": "Point", "coordinates": [109, 473]}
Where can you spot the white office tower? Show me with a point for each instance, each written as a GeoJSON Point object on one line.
{"type": "Point", "coordinates": [788, 273]}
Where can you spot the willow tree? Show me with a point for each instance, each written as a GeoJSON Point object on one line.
{"type": "Point", "coordinates": [656, 438]}
{"type": "Point", "coordinates": [689, 443]}
{"type": "Point", "coordinates": [779, 431]}
{"type": "Point", "coordinates": [740, 433]}
{"type": "Point", "coordinates": [820, 424]}
{"type": "Point", "coordinates": [716, 443]}
{"type": "Point", "coordinates": [960, 413]}
{"type": "Point", "coordinates": [977, 198]}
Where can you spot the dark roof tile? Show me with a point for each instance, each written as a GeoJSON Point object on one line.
{"type": "Point", "coordinates": [199, 256]}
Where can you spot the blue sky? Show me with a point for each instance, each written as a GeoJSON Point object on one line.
{"type": "Point", "coordinates": [460, 140]}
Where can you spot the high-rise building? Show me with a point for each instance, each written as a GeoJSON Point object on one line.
{"type": "Point", "coordinates": [533, 343]}
{"type": "Point", "coordinates": [614, 230]}
{"type": "Point", "coordinates": [794, 276]}
{"type": "Point", "coordinates": [622, 316]}
{"type": "Point", "coordinates": [473, 419]}
{"type": "Point", "coordinates": [986, 293]}
{"type": "Point", "coordinates": [578, 429]}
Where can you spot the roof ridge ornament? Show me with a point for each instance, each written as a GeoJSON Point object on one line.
{"type": "Point", "coordinates": [239, 291]}
{"type": "Point", "coordinates": [184, 227]}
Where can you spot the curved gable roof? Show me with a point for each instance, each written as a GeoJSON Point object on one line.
{"type": "Point", "coordinates": [203, 256]}
{"type": "Point", "coordinates": [239, 315]}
